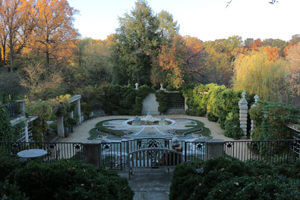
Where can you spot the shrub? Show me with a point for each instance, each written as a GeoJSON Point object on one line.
{"type": "Point", "coordinates": [162, 99]}
{"type": "Point", "coordinates": [271, 119]}
{"type": "Point", "coordinates": [232, 127]}
{"type": "Point", "coordinates": [211, 117]}
{"type": "Point", "coordinates": [228, 178]}
{"type": "Point", "coordinates": [7, 164]}
{"type": "Point", "coordinates": [11, 191]}
{"type": "Point", "coordinates": [6, 129]}
{"type": "Point", "coordinates": [261, 187]}
{"type": "Point", "coordinates": [70, 180]}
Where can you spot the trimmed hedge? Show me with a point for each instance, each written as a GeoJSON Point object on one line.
{"type": "Point", "coordinates": [228, 178]}
{"type": "Point", "coordinates": [219, 103]}
{"type": "Point", "coordinates": [63, 179]}
{"type": "Point", "coordinates": [123, 99]}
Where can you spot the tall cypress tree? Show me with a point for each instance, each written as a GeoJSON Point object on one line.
{"type": "Point", "coordinates": [138, 41]}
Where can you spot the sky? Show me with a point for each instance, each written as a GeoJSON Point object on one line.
{"type": "Point", "coordinates": [204, 19]}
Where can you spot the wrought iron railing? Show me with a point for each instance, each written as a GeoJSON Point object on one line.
{"type": "Point", "coordinates": [55, 151]}
{"type": "Point", "coordinates": [276, 151]}
{"type": "Point", "coordinates": [116, 155]}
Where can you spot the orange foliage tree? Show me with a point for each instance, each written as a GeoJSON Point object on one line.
{"type": "Point", "coordinates": [293, 56]}
{"type": "Point", "coordinates": [54, 34]}
{"type": "Point", "coordinates": [16, 21]}
{"type": "Point", "coordinates": [171, 59]}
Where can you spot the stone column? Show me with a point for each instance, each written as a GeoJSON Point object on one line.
{"type": "Point", "coordinates": [26, 131]}
{"type": "Point", "coordinates": [256, 97]}
{"type": "Point", "coordinates": [243, 106]}
{"type": "Point", "coordinates": [78, 110]}
{"type": "Point", "coordinates": [60, 126]}
{"type": "Point", "coordinates": [72, 114]}
{"type": "Point", "coordinates": [92, 153]}
{"type": "Point", "coordinates": [185, 104]}
{"type": "Point", "coordinates": [136, 86]}
{"type": "Point", "coordinates": [214, 148]}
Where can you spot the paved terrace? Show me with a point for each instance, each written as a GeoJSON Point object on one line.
{"type": "Point", "coordinates": [81, 133]}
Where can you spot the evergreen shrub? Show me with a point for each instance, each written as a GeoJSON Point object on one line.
{"type": "Point", "coordinates": [228, 178]}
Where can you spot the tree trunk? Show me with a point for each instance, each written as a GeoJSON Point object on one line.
{"type": "Point", "coordinates": [11, 54]}
{"type": "Point", "coordinates": [47, 59]}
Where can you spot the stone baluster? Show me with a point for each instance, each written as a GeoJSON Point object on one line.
{"type": "Point", "coordinates": [256, 97]}
{"type": "Point", "coordinates": [243, 106]}
{"type": "Point", "coordinates": [136, 86]}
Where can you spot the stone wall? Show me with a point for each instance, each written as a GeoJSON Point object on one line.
{"type": "Point", "coordinates": [150, 105]}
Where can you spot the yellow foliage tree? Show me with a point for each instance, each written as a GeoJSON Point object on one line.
{"type": "Point", "coordinates": [262, 74]}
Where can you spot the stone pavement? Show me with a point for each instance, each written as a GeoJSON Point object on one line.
{"type": "Point", "coordinates": [81, 133]}
{"type": "Point", "coordinates": [150, 184]}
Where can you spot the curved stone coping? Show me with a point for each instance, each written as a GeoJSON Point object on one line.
{"type": "Point", "coordinates": [125, 123]}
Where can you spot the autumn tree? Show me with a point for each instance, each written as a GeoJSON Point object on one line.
{"type": "Point", "coordinates": [172, 60]}
{"type": "Point", "coordinates": [263, 74]}
{"type": "Point", "coordinates": [54, 34]}
{"type": "Point", "coordinates": [91, 65]}
{"type": "Point", "coordinates": [280, 44]}
{"type": "Point", "coordinates": [255, 44]}
{"type": "Point", "coordinates": [293, 56]}
{"type": "Point", "coordinates": [16, 20]}
{"type": "Point", "coordinates": [39, 83]}
{"type": "Point", "coordinates": [138, 43]}
{"type": "Point", "coordinates": [194, 57]}
{"type": "Point", "coordinates": [219, 58]}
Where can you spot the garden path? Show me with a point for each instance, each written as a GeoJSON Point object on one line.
{"type": "Point", "coordinates": [81, 132]}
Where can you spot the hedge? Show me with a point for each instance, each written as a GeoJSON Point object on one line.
{"type": "Point", "coordinates": [63, 179]}
{"type": "Point", "coordinates": [219, 103]}
{"type": "Point", "coordinates": [271, 120]}
{"type": "Point", "coordinates": [228, 178]}
{"type": "Point", "coordinates": [123, 99]}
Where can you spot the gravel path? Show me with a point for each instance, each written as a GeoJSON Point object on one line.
{"type": "Point", "coordinates": [81, 133]}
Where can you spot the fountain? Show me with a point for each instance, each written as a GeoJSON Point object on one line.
{"type": "Point", "coordinates": [149, 120]}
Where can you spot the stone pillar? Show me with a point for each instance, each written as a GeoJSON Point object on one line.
{"type": "Point", "coordinates": [243, 106]}
{"type": "Point", "coordinates": [22, 106]}
{"type": "Point", "coordinates": [185, 104]}
{"type": "Point", "coordinates": [92, 153]}
{"type": "Point", "coordinates": [214, 148]}
{"type": "Point", "coordinates": [255, 104]}
{"type": "Point", "coordinates": [60, 126]}
{"type": "Point", "coordinates": [136, 86]}
{"type": "Point", "coordinates": [26, 131]}
{"type": "Point", "coordinates": [78, 109]}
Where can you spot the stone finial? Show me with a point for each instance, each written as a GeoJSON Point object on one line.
{"type": "Point", "coordinates": [256, 97]}
{"type": "Point", "coordinates": [161, 87]}
{"type": "Point", "coordinates": [136, 86]}
{"type": "Point", "coordinates": [243, 101]}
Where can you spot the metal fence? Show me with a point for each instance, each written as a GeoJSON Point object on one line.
{"type": "Point", "coordinates": [116, 155]}
{"type": "Point", "coordinates": [55, 151]}
{"type": "Point", "coordinates": [276, 151]}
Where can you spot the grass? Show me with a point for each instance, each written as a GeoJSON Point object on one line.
{"type": "Point", "coordinates": [199, 126]}
{"type": "Point", "coordinates": [100, 130]}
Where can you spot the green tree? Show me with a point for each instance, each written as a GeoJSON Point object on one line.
{"type": "Point", "coordinates": [219, 58]}
{"type": "Point", "coordinates": [138, 42]}
{"type": "Point", "coordinates": [258, 73]}
{"type": "Point", "coordinates": [167, 26]}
